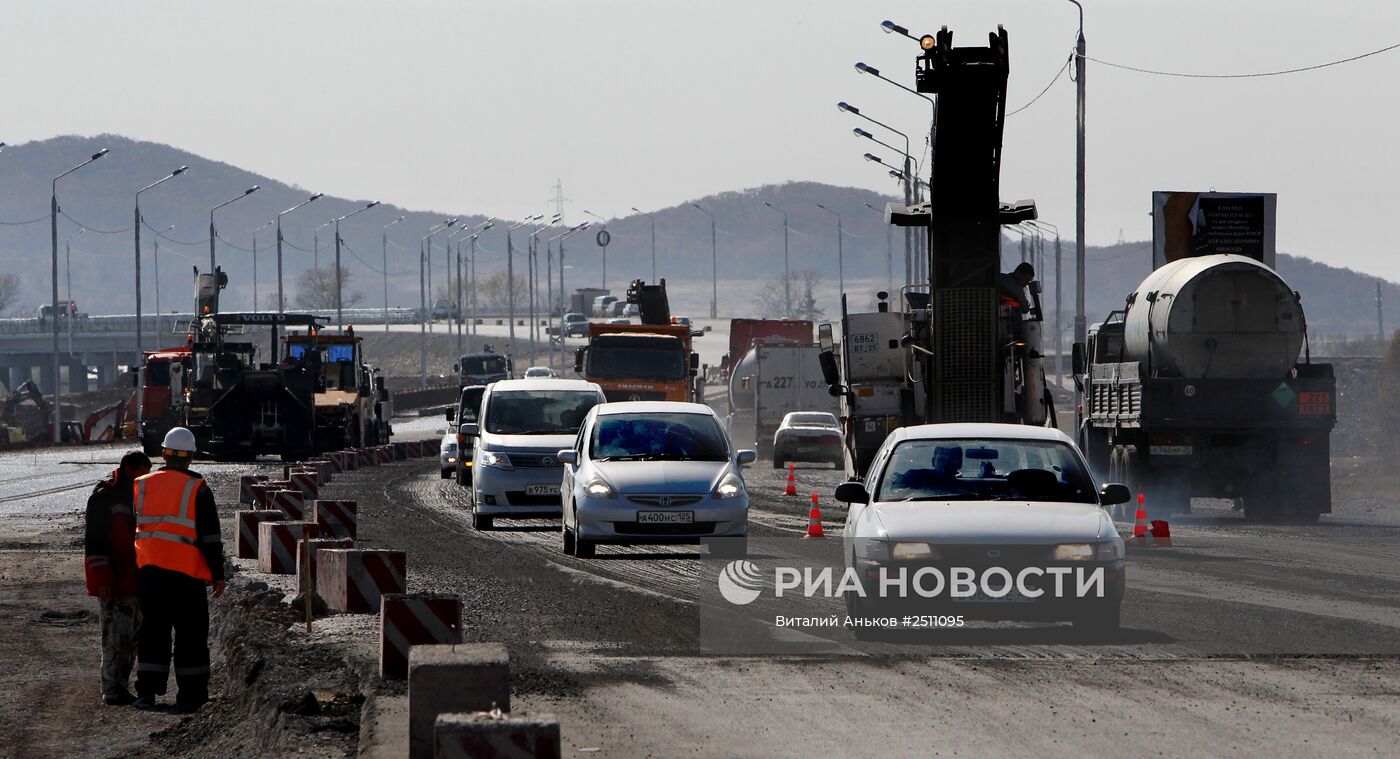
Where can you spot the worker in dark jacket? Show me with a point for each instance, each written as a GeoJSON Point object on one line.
{"type": "Point", "coordinates": [178, 552]}
{"type": "Point", "coordinates": [109, 561]}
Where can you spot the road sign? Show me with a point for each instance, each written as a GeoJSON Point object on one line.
{"type": "Point", "coordinates": [604, 238]}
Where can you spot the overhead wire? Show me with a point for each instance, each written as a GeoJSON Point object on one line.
{"type": "Point", "coordinates": [1250, 75]}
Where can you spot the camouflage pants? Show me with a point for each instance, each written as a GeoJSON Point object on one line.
{"type": "Point", "coordinates": [120, 617]}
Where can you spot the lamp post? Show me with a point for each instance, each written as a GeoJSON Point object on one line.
{"type": "Point", "coordinates": [604, 247]}
{"type": "Point", "coordinates": [424, 246]}
{"type": "Point", "coordinates": [889, 250]}
{"type": "Point", "coordinates": [840, 265]}
{"type": "Point", "coordinates": [53, 229]}
{"type": "Point", "coordinates": [136, 227]}
{"type": "Point", "coordinates": [316, 244]}
{"type": "Point", "coordinates": [213, 235]}
{"type": "Point", "coordinates": [652, 219]}
{"type": "Point", "coordinates": [482, 227]}
{"type": "Point", "coordinates": [510, 276]}
{"type": "Point", "coordinates": [281, 300]}
{"type": "Point", "coordinates": [562, 291]}
{"type": "Point", "coordinates": [1080, 117]}
{"type": "Point", "coordinates": [909, 189]}
{"type": "Point", "coordinates": [265, 225]}
{"type": "Point", "coordinates": [384, 252]}
{"type": "Point", "coordinates": [339, 321]}
{"type": "Point", "coordinates": [155, 263]}
{"type": "Point", "coordinates": [787, 275]}
{"type": "Point", "coordinates": [533, 251]}
{"type": "Point", "coordinates": [714, 265]}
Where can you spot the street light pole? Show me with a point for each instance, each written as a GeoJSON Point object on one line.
{"type": "Point", "coordinates": [265, 225]}
{"type": "Point", "coordinates": [840, 265]}
{"type": "Point", "coordinates": [136, 227]}
{"type": "Point", "coordinates": [604, 247]}
{"type": "Point", "coordinates": [534, 248]}
{"type": "Point", "coordinates": [214, 235]}
{"type": "Point", "coordinates": [482, 227]}
{"type": "Point", "coordinates": [905, 179]}
{"type": "Point", "coordinates": [787, 275]}
{"type": "Point", "coordinates": [424, 246]}
{"type": "Point", "coordinates": [889, 251]}
{"type": "Point", "coordinates": [562, 291]}
{"type": "Point", "coordinates": [1080, 324]}
{"type": "Point", "coordinates": [384, 252]}
{"type": "Point", "coordinates": [652, 219]}
{"type": "Point", "coordinates": [714, 265]}
{"type": "Point", "coordinates": [53, 229]}
{"type": "Point", "coordinates": [510, 276]}
{"type": "Point", "coordinates": [281, 300]}
{"type": "Point", "coordinates": [339, 321]}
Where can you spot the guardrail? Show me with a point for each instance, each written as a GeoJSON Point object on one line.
{"type": "Point", "coordinates": [170, 323]}
{"type": "Point", "coordinates": [425, 398]}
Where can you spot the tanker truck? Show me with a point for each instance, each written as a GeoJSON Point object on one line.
{"type": "Point", "coordinates": [1195, 389]}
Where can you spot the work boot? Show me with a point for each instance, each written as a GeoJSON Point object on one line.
{"type": "Point", "coordinates": [118, 698]}
{"type": "Point", "coordinates": [145, 702]}
{"type": "Point", "coordinates": [188, 707]}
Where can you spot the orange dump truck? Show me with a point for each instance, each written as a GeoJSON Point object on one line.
{"type": "Point", "coordinates": [640, 362]}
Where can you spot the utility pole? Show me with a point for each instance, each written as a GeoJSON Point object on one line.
{"type": "Point", "coordinates": [459, 298]}
{"type": "Point", "coordinates": [1059, 334]}
{"type": "Point", "coordinates": [1380, 314]}
{"type": "Point", "coordinates": [1080, 324]}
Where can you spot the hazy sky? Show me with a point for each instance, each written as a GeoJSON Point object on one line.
{"type": "Point", "coordinates": [480, 106]}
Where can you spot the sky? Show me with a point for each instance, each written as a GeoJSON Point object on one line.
{"type": "Point", "coordinates": [478, 107]}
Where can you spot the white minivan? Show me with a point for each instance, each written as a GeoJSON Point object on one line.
{"type": "Point", "coordinates": [522, 426]}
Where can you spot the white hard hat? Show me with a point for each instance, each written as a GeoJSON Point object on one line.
{"type": "Point", "coordinates": [179, 439]}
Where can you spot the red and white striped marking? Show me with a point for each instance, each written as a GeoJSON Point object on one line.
{"type": "Point", "coordinates": [305, 481]}
{"type": "Point", "coordinates": [245, 540]}
{"type": "Point", "coordinates": [325, 468]}
{"type": "Point", "coordinates": [262, 492]}
{"type": "Point", "coordinates": [354, 580]}
{"type": "Point", "coordinates": [348, 460]}
{"type": "Point", "coordinates": [277, 545]}
{"type": "Point", "coordinates": [413, 620]}
{"type": "Point", "coordinates": [245, 486]}
{"type": "Point", "coordinates": [400, 451]}
{"type": "Point", "coordinates": [386, 454]}
{"type": "Point", "coordinates": [289, 502]}
{"type": "Point", "coordinates": [315, 545]}
{"type": "Point", "coordinates": [337, 518]}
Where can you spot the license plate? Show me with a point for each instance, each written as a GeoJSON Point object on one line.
{"type": "Point", "coordinates": [541, 490]}
{"type": "Point", "coordinates": [1014, 597]}
{"type": "Point", "coordinates": [1170, 450]}
{"type": "Point", "coordinates": [665, 517]}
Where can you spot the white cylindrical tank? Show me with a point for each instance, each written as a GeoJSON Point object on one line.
{"type": "Point", "coordinates": [1220, 316]}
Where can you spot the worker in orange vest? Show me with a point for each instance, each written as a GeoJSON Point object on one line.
{"type": "Point", "coordinates": [178, 552]}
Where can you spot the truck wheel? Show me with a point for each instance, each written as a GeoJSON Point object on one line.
{"type": "Point", "coordinates": [464, 476]}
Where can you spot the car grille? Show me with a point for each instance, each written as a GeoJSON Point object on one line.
{"type": "Point", "coordinates": [637, 528]}
{"type": "Point", "coordinates": [665, 500]}
{"type": "Point", "coordinates": [617, 396]}
{"type": "Point", "coordinates": [519, 498]}
{"type": "Point", "coordinates": [1010, 557]}
{"type": "Point", "coordinates": [535, 461]}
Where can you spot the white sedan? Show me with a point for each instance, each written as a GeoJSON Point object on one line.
{"type": "Point", "coordinates": [447, 452]}
{"type": "Point", "coordinates": [654, 472]}
{"type": "Point", "coordinates": [1004, 521]}
{"type": "Point", "coordinates": [809, 436]}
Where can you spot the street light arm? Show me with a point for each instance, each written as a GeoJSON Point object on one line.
{"type": "Point", "coordinates": [163, 179]}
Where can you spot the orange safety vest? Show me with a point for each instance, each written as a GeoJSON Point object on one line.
{"type": "Point", "coordinates": [165, 528]}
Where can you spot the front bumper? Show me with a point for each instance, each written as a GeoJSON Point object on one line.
{"type": "Point", "coordinates": [615, 520]}
{"type": "Point", "coordinates": [504, 492]}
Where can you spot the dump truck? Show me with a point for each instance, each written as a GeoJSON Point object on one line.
{"type": "Point", "coordinates": [483, 368]}
{"type": "Point", "coordinates": [159, 413]}
{"type": "Point", "coordinates": [651, 361]}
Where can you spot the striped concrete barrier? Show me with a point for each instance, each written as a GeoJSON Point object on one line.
{"type": "Point", "coordinates": [277, 545]}
{"type": "Point", "coordinates": [305, 480]}
{"type": "Point", "coordinates": [366, 457]}
{"type": "Point", "coordinates": [400, 451]}
{"type": "Point", "coordinates": [309, 549]}
{"type": "Point", "coordinates": [348, 461]}
{"type": "Point", "coordinates": [289, 502]}
{"type": "Point", "coordinates": [448, 679]}
{"type": "Point", "coordinates": [245, 486]}
{"type": "Point", "coordinates": [354, 580]}
{"type": "Point", "coordinates": [245, 540]}
{"type": "Point", "coordinates": [338, 518]}
{"type": "Point", "coordinates": [482, 735]}
{"type": "Point", "coordinates": [407, 620]}
{"type": "Point", "coordinates": [262, 492]}
{"type": "Point", "coordinates": [385, 453]}
{"type": "Point", "coordinates": [324, 468]}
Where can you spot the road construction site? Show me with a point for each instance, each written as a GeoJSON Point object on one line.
{"type": "Point", "coordinates": [1271, 639]}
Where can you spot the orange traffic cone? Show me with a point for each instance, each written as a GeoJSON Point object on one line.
{"type": "Point", "coordinates": [1140, 521]}
{"type": "Point", "coordinates": [792, 481]}
{"type": "Point", "coordinates": [814, 522]}
{"type": "Point", "coordinates": [1161, 533]}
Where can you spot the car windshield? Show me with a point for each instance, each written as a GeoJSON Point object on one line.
{"type": "Point", "coordinates": [811, 420]}
{"type": "Point", "coordinates": [470, 405]}
{"type": "Point", "coordinates": [483, 364]}
{"type": "Point", "coordinates": [658, 437]}
{"type": "Point", "coordinates": [985, 470]}
{"type": "Point", "coordinates": [538, 412]}
{"type": "Point", "coordinates": [656, 357]}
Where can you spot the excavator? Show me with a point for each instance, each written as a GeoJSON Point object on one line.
{"type": "Point", "coordinates": [13, 434]}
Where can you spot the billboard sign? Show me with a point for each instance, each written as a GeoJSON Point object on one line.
{"type": "Point", "coordinates": [1189, 224]}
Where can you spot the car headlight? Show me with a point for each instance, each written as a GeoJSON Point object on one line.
{"type": "Point", "coordinates": [494, 459]}
{"type": "Point", "coordinates": [1107, 551]}
{"type": "Point", "coordinates": [910, 551]}
{"type": "Point", "coordinates": [729, 487]}
{"type": "Point", "coordinates": [599, 489]}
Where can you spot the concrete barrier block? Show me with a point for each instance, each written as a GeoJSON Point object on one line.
{"type": "Point", "coordinates": [309, 552]}
{"type": "Point", "coordinates": [449, 679]}
{"type": "Point", "coordinates": [325, 470]}
{"type": "Point", "coordinates": [306, 481]}
{"type": "Point", "coordinates": [385, 453]}
{"type": "Point", "coordinates": [245, 486]}
{"type": "Point", "coordinates": [349, 461]}
{"type": "Point", "coordinates": [277, 545]}
{"type": "Point", "coordinates": [289, 502]}
{"type": "Point", "coordinates": [407, 620]}
{"type": "Point", "coordinates": [400, 451]}
{"type": "Point", "coordinates": [245, 540]}
{"type": "Point", "coordinates": [336, 518]}
{"type": "Point", "coordinates": [486, 736]}
{"type": "Point", "coordinates": [260, 495]}
{"type": "Point", "coordinates": [354, 580]}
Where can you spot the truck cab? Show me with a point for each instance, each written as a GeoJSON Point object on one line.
{"type": "Point", "coordinates": [639, 362]}
{"type": "Point", "coordinates": [346, 398]}
{"type": "Point", "coordinates": [483, 368]}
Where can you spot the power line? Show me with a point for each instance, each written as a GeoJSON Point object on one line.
{"type": "Point", "coordinates": [1255, 75]}
{"type": "Point", "coordinates": [161, 234]}
{"type": "Point", "coordinates": [22, 223]}
{"type": "Point", "coordinates": [94, 229]}
{"type": "Point", "coordinates": [1059, 74]}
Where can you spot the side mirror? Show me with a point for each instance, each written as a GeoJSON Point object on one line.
{"type": "Point", "coordinates": [470, 429]}
{"type": "Point", "coordinates": [1078, 361]}
{"type": "Point", "coordinates": [694, 362]}
{"type": "Point", "coordinates": [457, 368]}
{"type": "Point", "coordinates": [136, 379]}
{"type": "Point", "coordinates": [746, 456]}
{"type": "Point", "coordinates": [1114, 493]}
{"type": "Point", "coordinates": [830, 371]}
{"type": "Point", "coordinates": [852, 492]}
{"type": "Point", "coordinates": [451, 414]}
{"type": "Point", "coordinates": [578, 360]}
{"type": "Point", "coordinates": [825, 338]}
{"type": "Point", "coordinates": [567, 456]}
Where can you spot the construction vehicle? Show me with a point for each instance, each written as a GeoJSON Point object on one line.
{"type": "Point", "coordinates": [14, 430]}
{"type": "Point", "coordinates": [483, 368]}
{"type": "Point", "coordinates": [776, 376]}
{"type": "Point", "coordinates": [964, 345]}
{"type": "Point", "coordinates": [651, 361]}
{"type": "Point", "coordinates": [742, 333]}
{"type": "Point", "coordinates": [1196, 389]}
{"type": "Point", "coordinates": [348, 398]}
{"type": "Point", "coordinates": [158, 410]}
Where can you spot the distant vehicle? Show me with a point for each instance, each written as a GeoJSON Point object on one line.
{"type": "Point", "coordinates": [467, 410]}
{"type": "Point", "coordinates": [1011, 496]}
{"type": "Point", "coordinates": [522, 426]}
{"type": "Point", "coordinates": [617, 308]}
{"type": "Point", "coordinates": [654, 472]}
{"type": "Point", "coordinates": [66, 309]}
{"type": "Point", "coordinates": [775, 377]}
{"type": "Point", "coordinates": [444, 308]}
{"type": "Point", "coordinates": [622, 320]}
{"type": "Point", "coordinates": [447, 453]}
{"type": "Point", "coordinates": [575, 325]}
{"type": "Point", "coordinates": [602, 305]}
{"type": "Point", "coordinates": [809, 436]}
{"type": "Point", "coordinates": [539, 372]}
{"type": "Point", "coordinates": [159, 411]}
{"type": "Point", "coordinates": [682, 321]}
{"type": "Point", "coordinates": [483, 368]}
